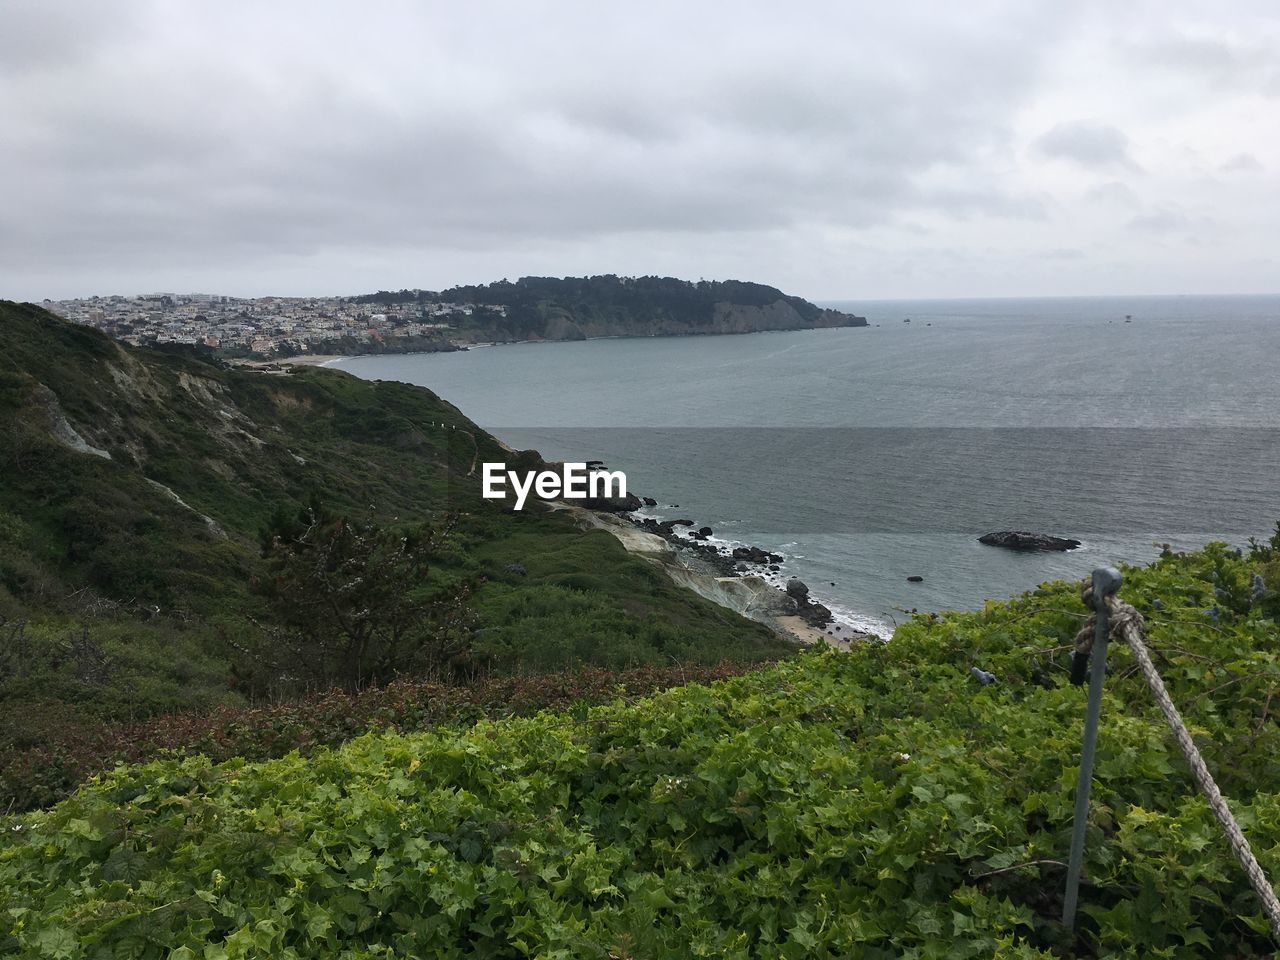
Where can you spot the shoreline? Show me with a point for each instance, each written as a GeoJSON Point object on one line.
{"type": "Point", "coordinates": [301, 360]}
{"type": "Point", "coordinates": [748, 595]}
{"type": "Point", "coordinates": [732, 559]}
{"type": "Point", "coordinates": [461, 346]}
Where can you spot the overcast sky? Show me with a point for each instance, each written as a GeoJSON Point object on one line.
{"type": "Point", "coordinates": [834, 149]}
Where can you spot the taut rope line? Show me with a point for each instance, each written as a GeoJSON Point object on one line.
{"type": "Point", "coordinates": [1128, 624]}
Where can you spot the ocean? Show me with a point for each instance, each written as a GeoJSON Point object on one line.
{"type": "Point", "coordinates": [867, 455]}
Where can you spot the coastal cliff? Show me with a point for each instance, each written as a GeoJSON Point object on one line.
{"type": "Point", "coordinates": [578, 308]}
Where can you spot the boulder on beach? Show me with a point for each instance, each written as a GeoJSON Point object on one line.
{"type": "Point", "coordinates": [755, 555]}
{"type": "Point", "coordinates": [797, 588]}
{"type": "Point", "coordinates": [1022, 540]}
{"type": "Point", "coordinates": [815, 614]}
{"type": "Point", "coordinates": [611, 504]}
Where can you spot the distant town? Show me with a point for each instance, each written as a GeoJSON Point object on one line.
{"type": "Point", "coordinates": [266, 327]}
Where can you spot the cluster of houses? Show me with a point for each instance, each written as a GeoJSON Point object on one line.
{"type": "Point", "coordinates": [262, 326]}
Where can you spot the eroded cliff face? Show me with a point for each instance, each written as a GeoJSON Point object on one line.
{"type": "Point", "coordinates": [779, 315]}
{"type": "Point", "coordinates": [724, 318]}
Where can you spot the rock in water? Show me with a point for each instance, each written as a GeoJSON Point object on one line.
{"type": "Point", "coordinates": [915, 578]}
{"type": "Point", "coordinates": [1021, 540]}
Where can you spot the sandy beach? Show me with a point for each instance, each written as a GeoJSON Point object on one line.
{"type": "Point", "coordinates": [302, 360]}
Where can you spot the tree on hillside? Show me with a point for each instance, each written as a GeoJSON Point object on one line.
{"type": "Point", "coordinates": [352, 604]}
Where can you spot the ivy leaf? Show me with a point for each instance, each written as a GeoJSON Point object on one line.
{"type": "Point", "coordinates": [125, 864]}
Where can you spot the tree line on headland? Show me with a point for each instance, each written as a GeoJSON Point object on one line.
{"type": "Point", "coordinates": [568, 308]}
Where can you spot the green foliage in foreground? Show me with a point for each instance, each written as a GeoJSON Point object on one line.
{"type": "Point", "coordinates": [879, 803]}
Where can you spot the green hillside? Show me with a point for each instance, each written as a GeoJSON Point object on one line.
{"type": "Point", "coordinates": [875, 804]}
{"type": "Point", "coordinates": [136, 487]}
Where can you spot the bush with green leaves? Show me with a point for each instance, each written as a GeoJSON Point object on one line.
{"type": "Point", "coordinates": [878, 803]}
{"type": "Point", "coordinates": [352, 604]}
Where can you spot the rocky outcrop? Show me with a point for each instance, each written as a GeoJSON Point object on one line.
{"type": "Point", "coordinates": [751, 596]}
{"type": "Point", "coordinates": [722, 318]}
{"type": "Point", "coordinates": [1022, 540]}
{"type": "Point", "coordinates": [212, 525]}
{"type": "Point", "coordinates": [779, 315]}
{"type": "Point", "coordinates": [814, 613]}
{"type": "Point", "coordinates": [59, 427]}
{"type": "Point", "coordinates": [810, 611]}
{"type": "Point", "coordinates": [755, 555]}
{"type": "Point", "coordinates": [611, 504]}
{"type": "Point", "coordinates": [562, 328]}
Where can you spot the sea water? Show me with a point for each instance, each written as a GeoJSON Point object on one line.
{"type": "Point", "coordinates": [867, 455]}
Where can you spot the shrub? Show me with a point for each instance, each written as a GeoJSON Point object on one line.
{"type": "Point", "coordinates": [351, 604]}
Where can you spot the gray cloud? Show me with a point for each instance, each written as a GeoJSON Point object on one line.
{"type": "Point", "coordinates": [1088, 143]}
{"type": "Point", "coordinates": [1113, 194]}
{"type": "Point", "coordinates": [317, 147]}
{"type": "Point", "coordinates": [1223, 62]}
{"type": "Point", "coordinates": [1167, 221]}
{"type": "Point", "coordinates": [1242, 163]}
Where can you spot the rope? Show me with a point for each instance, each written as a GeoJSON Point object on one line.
{"type": "Point", "coordinates": [1128, 623]}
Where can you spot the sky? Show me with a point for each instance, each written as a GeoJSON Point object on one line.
{"type": "Point", "coordinates": [834, 149]}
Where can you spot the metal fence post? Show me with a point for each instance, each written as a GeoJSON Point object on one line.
{"type": "Point", "coordinates": [1106, 581]}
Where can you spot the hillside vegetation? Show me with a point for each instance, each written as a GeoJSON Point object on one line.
{"type": "Point", "coordinates": [571, 308]}
{"type": "Point", "coordinates": [873, 804]}
{"type": "Point", "coordinates": [138, 486]}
